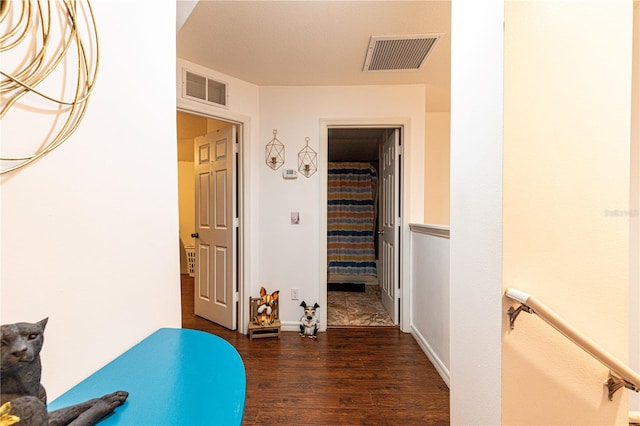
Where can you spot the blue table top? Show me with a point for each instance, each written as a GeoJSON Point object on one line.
{"type": "Point", "coordinates": [174, 377]}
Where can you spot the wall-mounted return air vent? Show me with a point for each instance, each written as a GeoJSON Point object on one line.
{"type": "Point", "coordinates": [399, 53]}
{"type": "Point", "coordinates": [204, 89]}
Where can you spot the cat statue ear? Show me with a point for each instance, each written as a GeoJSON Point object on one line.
{"type": "Point", "coordinates": [43, 323]}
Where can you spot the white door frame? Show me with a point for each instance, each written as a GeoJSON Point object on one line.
{"type": "Point", "coordinates": [244, 124]}
{"type": "Point", "coordinates": [405, 291]}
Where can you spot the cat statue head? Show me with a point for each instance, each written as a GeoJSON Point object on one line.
{"type": "Point", "coordinates": [20, 345]}
{"type": "Point", "coordinates": [20, 369]}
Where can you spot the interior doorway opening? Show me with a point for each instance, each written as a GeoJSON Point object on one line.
{"type": "Point", "coordinates": [358, 184]}
{"type": "Point", "coordinates": [190, 127]}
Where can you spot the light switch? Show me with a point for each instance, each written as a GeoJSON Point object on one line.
{"type": "Point", "coordinates": [295, 218]}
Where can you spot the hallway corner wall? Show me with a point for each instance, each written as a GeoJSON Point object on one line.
{"type": "Point", "coordinates": [437, 168]}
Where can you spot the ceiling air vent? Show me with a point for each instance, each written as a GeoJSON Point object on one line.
{"type": "Point", "coordinates": [399, 53]}
{"type": "Point", "coordinates": [204, 89]}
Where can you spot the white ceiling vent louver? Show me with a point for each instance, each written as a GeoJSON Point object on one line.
{"type": "Point", "coordinates": [399, 53]}
{"type": "Point", "coordinates": [204, 89]}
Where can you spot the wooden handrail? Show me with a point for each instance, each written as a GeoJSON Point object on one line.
{"type": "Point", "coordinates": [623, 375]}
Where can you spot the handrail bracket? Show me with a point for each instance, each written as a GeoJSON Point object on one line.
{"type": "Point", "coordinates": [513, 314]}
{"type": "Point", "coordinates": [614, 383]}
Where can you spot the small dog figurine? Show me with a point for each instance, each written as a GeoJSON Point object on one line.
{"type": "Point", "coordinates": [265, 307]}
{"type": "Point", "coordinates": [310, 322]}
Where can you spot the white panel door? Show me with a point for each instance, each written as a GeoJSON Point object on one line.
{"type": "Point", "coordinates": [389, 221]}
{"type": "Point", "coordinates": [215, 272]}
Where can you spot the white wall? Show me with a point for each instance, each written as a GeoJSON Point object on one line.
{"type": "Point", "coordinates": [90, 232]}
{"type": "Point", "coordinates": [289, 254]}
{"type": "Point", "coordinates": [436, 168]}
{"type": "Point", "coordinates": [566, 174]}
{"type": "Point", "coordinates": [476, 218]}
{"type": "Point", "coordinates": [430, 294]}
{"type": "Point", "coordinates": [634, 205]}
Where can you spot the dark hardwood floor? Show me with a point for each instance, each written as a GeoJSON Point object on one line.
{"type": "Point", "coordinates": [347, 376]}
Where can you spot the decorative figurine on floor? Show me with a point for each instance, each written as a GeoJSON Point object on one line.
{"type": "Point", "coordinates": [266, 307]}
{"type": "Point", "coordinates": [310, 321]}
{"type": "Point", "coordinates": [23, 395]}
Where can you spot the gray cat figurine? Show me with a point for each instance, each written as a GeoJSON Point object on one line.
{"type": "Point", "coordinates": [20, 373]}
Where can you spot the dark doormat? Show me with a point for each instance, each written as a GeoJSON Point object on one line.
{"type": "Point", "coordinates": [356, 287]}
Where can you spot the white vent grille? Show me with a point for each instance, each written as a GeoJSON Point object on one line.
{"type": "Point", "coordinates": [399, 53]}
{"type": "Point", "coordinates": [203, 89]}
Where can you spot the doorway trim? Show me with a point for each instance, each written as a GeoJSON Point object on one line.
{"type": "Point", "coordinates": [244, 238]}
{"type": "Point", "coordinates": [394, 122]}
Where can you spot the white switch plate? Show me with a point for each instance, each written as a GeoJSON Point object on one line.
{"type": "Point", "coordinates": [294, 293]}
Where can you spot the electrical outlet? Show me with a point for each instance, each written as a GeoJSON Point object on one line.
{"type": "Point", "coordinates": [294, 293]}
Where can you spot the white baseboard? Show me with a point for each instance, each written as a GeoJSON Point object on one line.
{"type": "Point", "coordinates": [430, 353]}
{"type": "Point", "coordinates": [290, 326]}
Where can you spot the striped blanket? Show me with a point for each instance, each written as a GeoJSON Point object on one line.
{"type": "Point", "coordinates": [351, 196]}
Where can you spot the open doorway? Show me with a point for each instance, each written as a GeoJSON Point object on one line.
{"type": "Point", "coordinates": [210, 246]}
{"type": "Point", "coordinates": [362, 201]}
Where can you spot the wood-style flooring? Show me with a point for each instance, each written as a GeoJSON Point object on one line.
{"type": "Point", "coordinates": [347, 376]}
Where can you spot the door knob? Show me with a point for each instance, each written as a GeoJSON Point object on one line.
{"type": "Point", "coordinates": [379, 233]}
{"type": "Point", "coordinates": [194, 235]}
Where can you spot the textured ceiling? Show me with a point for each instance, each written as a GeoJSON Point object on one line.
{"type": "Point", "coordinates": [314, 43]}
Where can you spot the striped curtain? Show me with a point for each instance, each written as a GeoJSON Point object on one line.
{"type": "Point", "coordinates": [351, 216]}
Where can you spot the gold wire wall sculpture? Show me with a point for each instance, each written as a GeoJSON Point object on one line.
{"type": "Point", "coordinates": [274, 152]}
{"type": "Point", "coordinates": [307, 160]}
{"type": "Point", "coordinates": [43, 43]}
